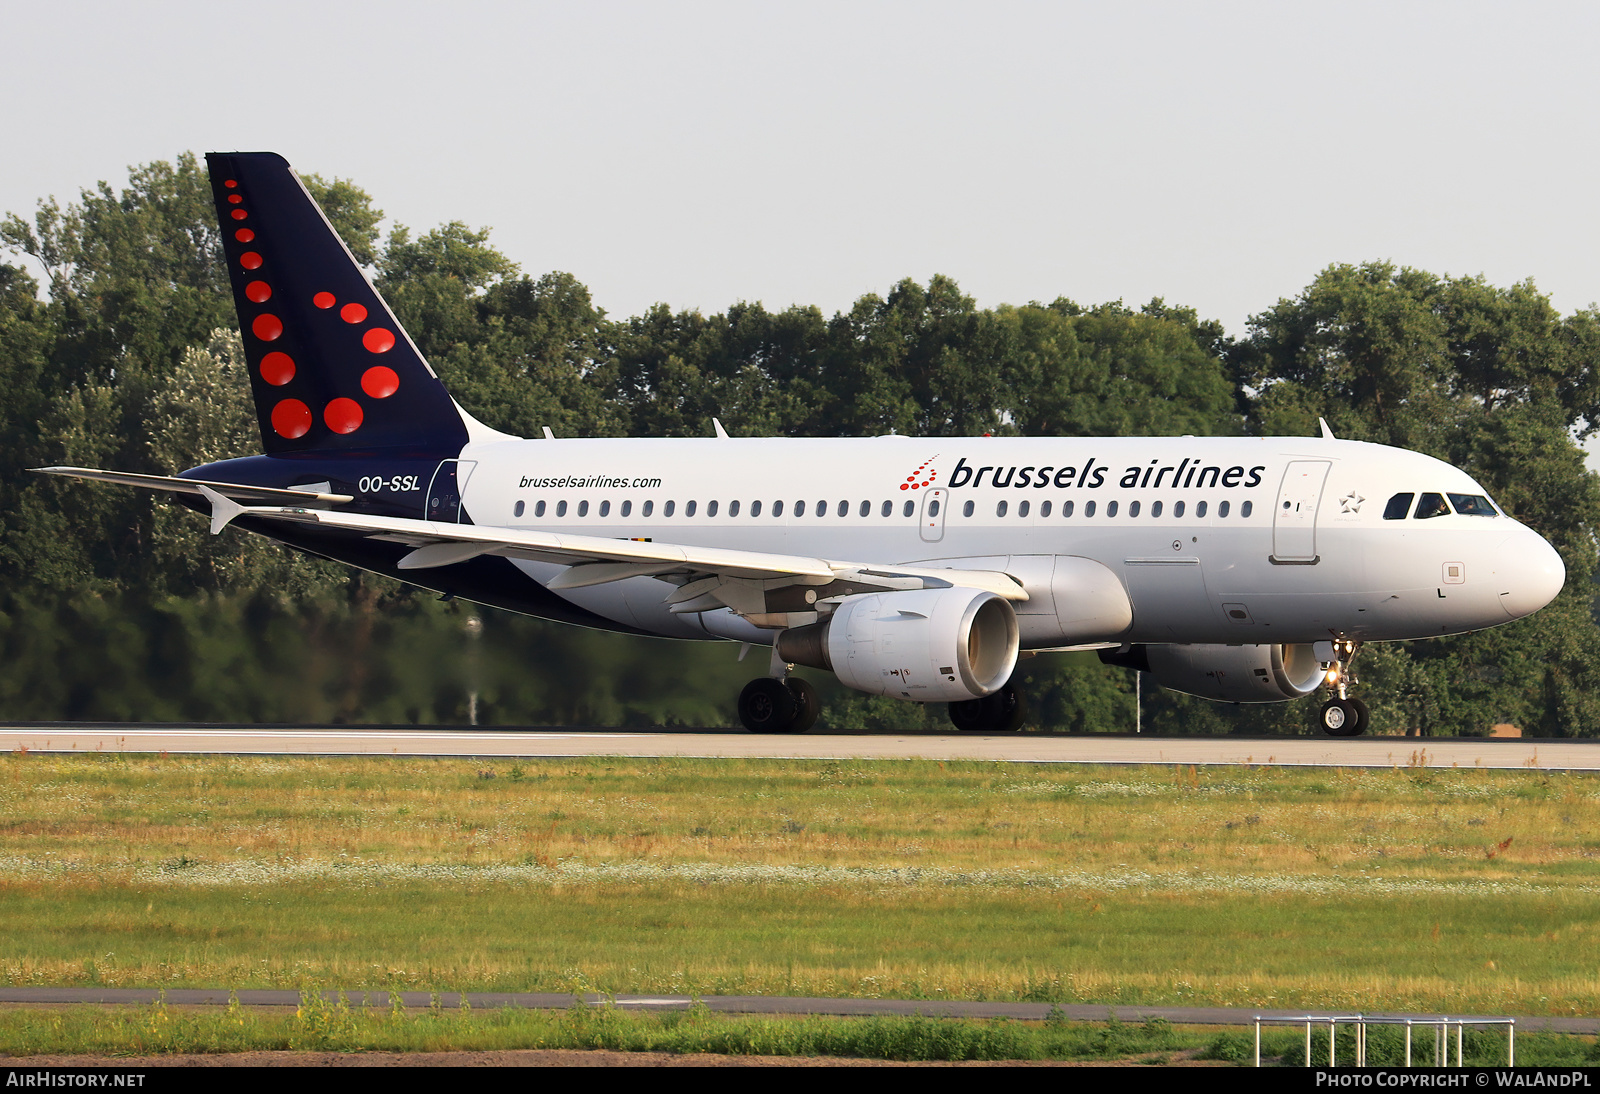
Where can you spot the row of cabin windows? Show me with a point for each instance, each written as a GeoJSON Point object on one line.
{"type": "Point", "coordinates": [1433, 505]}
{"type": "Point", "coordinates": [1134, 509]}
{"type": "Point", "coordinates": [842, 509]}
{"type": "Point", "coordinates": [690, 508]}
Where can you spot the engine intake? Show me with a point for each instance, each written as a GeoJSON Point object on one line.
{"type": "Point", "coordinates": [1228, 674]}
{"type": "Point", "coordinates": [929, 645]}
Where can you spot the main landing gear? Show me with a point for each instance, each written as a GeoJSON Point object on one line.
{"type": "Point", "coordinates": [772, 705]}
{"type": "Point", "coordinates": [1343, 716]}
{"type": "Point", "coordinates": [1002, 712]}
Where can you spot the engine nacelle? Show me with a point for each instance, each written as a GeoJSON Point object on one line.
{"type": "Point", "coordinates": [929, 645]}
{"type": "Point", "coordinates": [1237, 674]}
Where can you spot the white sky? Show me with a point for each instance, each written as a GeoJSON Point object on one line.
{"type": "Point", "coordinates": [1216, 154]}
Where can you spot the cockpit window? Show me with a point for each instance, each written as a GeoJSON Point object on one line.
{"type": "Point", "coordinates": [1431, 505]}
{"type": "Point", "coordinates": [1398, 507]}
{"type": "Point", "coordinates": [1472, 505]}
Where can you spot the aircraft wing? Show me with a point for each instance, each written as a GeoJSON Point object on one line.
{"type": "Point", "coordinates": [595, 560]}
{"type": "Point", "coordinates": [707, 577]}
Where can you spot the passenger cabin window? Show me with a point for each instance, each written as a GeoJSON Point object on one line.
{"type": "Point", "coordinates": [1111, 508]}
{"type": "Point", "coordinates": [519, 508]}
{"type": "Point", "coordinates": [1244, 510]}
{"type": "Point", "coordinates": [777, 509]}
{"type": "Point", "coordinates": [1177, 509]}
{"type": "Point", "coordinates": [667, 509]}
{"type": "Point", "coordinates": [538, 509]}
{"type": "Point", "coordinates": [1155, 509]}
{"type": "Point", "coordinates": [866, 508]}
{"type": "Point", "coordinates": [1133, 509]}
{"type": "Point", "coordinates": [1200, 509]}
{"type": "Point", "coordinates": [1000, 510]}
{"type": "Point", "coordinates": [966, 510]}
{"type": "Point", "coordinates": [627, 508]}
{"type": "Point", "coordinates": [689, 509]}
{"type": "Point", "coordinates": [1022, 510]}
{"type": "Point", "coordinates": [799, 508]}
{"type": "Point", "coordinates": [911, 507]}
{"type": "Point", "coordinates": [933, 508]}
{"type": "Point", "coordinates": [1398, 507]}
{"type": "Point", "coordinates": [1472, 505]}
{"type": "Point", "coordinates": [1066, 508]}
{"type": "Point", "coordinates": [711, 508]}
{"type": "Point", "coordinates": [561, 508]}
{"type": "Point", "coordinates": [844, 509]}
{"type": "Point", "coordinates": [605, 509]}
{"type": "Point", "coordinates": [583, 508]}
{"type": "Point", "coordinates": [1431, 505]}
{"type": "Point", "coordinates": [1088, 509]}
{"type": "Point", "coordinates": [888, 508]}
{"type": "Point", "coordinates": [733, 508]}
{"type": "Point", "coordinates": [1044, 509]}
{"type": "Point", "coordinates": [1222, 509]}
{"type": "Point", "coordinates": [650, 507]}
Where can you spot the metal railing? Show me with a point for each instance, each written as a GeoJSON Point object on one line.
{"type": "Point", "coordinates": [1440, 1027]}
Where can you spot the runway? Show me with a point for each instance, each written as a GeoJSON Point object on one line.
{"type": "Point", "coordinates": [743, 1004]}
{"type": "Point", "coordinates": [1435, 752]}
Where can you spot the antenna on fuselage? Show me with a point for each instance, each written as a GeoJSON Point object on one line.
{"type": "Point", "coordinates": [1327, 434]}
{"type": "Point", "coordinates": [722, 434]}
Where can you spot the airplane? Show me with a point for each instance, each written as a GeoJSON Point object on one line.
{"type": "Point", "coordinates": [1242, 570]}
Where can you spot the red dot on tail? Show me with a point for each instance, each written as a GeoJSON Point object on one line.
{"type": "Point", "coordinates": [235, 199]}
{"type": "Point", "coordinates": [250, 260]}
{"type": "Point", "coordinates": [324, 300]}
{"type": "Point", "coordinates": [352, 313]}
{"type": "Point", "coordinates": [258, 292]}
{"type": "Point", "coordinates": [380, 381]}
{"type": "Point", "coordinates": [343, 415]}
{"type": "Point", "coordinates": [291, 418]}
{"type": "Point", "coordinates": [267, 327]}
{"type": "Point", "coordinates": [230, 184]}
{"type": "Point", "coordinates": [378, 340]}
{"type": "Point", "coordinates": [244, 235]}
{"type": "Point", "coordinates": [239, 214]}
{"type": "Point", "coordinates": [277, 368]}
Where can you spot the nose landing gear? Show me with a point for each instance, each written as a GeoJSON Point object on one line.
{"type": "Point", "coordinates": [1343, 716]}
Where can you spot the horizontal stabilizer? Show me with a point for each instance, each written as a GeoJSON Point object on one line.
{"type": "Point", "coordinates": [173, 484]}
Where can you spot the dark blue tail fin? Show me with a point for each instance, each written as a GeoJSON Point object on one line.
{"type": "Point", "coordinates": [331, 368]}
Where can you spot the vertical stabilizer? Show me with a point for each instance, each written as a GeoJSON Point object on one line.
{"type": "Point", "coordinates": [330, 367]}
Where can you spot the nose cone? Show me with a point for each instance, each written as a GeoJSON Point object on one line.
{"type": "Point", "coordinates": [1530, 573]}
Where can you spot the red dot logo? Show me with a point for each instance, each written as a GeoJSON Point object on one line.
{"type": "Point", "coordinates": [352, 313]}
{"type": "Point", "coordinates": [380, 381]}
{"type": "Point", "coordinates": [244, 235]}
{"type": "Point", "coordinates": [250, 260]}
{"type": "Point", "coordinates": [343, 415]}
{"type": "Point", "coordinates": [277, 368]}
{"type": "Point", "coordinates": [231, 184]}
{"type": "Point", "coordinates": [258, 292]}
{"type": "Point", "coordinates": [324, 300]}
{"type": "Point", "coordinates": [291, 418]}
{"type": "Point", "coordinates": [239, 214]}
{"type": "Point", "coordinates": [267, 327]}
{"type": "Point", "coordinates": [235, 199]}
{"type": "Point", "coordinates": [378, 340]}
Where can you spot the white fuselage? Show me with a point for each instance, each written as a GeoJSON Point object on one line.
{"type": "Point", "coordinates": [1238, 541]}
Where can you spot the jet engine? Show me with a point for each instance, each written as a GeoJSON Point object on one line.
{"type": "Point", "coordinates": [1228, 674]}
{"type": "Point", "coordinates": [930, 645]}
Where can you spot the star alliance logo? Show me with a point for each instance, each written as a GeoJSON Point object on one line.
{"type": "Point", "coordinates": [1351, 503]}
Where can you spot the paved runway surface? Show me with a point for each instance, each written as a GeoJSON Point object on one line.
{"type": "Point", "coordinates": [1018, 748]}
{"type": "Point", "coordinates": [740, 1004]}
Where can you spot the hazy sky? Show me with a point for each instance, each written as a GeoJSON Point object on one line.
{"type": "Point", "coordinates": [1215, 154]}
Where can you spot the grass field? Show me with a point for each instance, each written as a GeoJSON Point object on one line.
{"type": "Point", "coordinates": [1410, 888]}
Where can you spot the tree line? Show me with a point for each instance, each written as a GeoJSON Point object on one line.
{"type": "Point", "coordinates": [117, 350]}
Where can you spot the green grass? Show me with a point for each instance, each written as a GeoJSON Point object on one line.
{"type": "Point", "coordinates": [320, 1024]}
{"type": "Point", "coordinates": [1412, 888]}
